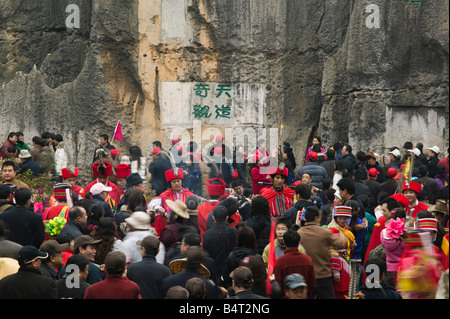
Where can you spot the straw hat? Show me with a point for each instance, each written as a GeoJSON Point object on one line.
{"type": "Point", "coordinates": [178, 207]}
{"type": "Point", "coordinates": [439, 207]}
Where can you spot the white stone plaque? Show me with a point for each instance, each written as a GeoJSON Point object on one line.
{"type": "Point", "coordinates": [222, 104]}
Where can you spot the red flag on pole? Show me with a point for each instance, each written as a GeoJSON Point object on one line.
{"type": "Point", "coordinates": [118, 132]}
{"type": "Point", "coordinates": [272, 259]}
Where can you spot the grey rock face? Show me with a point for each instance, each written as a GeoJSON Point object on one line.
{"type": "Point", "coordinates": [324, 71]}
{"type": "Point", "coordinates": [399, 68]}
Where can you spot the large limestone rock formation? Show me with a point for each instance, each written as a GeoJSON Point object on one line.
{"type": "Point", "coordinates": [314, 64]}
{"type": "Point", "coordinates": [388, 85]}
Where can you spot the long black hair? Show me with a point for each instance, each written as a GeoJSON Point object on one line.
{"type": "Point", "coordinates": [354, 219]}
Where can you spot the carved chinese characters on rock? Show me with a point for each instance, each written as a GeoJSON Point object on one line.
{"type": "Point", "coordinates": [212, 103]}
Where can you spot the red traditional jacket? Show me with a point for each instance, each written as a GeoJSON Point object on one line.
{"type": "Point", "coordinates": [412, 211]}
{"type": "Point", "coordinates": [54, 211]}
{"type": "Point", "coordinates": [203, 212]}
{"type": "Point", "coordinates": [257, 176]}
{"type": "Point", "coordinates": [88, 187]}
{"type": "Point", "coordinates": [116, 195]}
{"type": "Point", "coordinates": [160, 220]}
{"type": "Point", "coordinates": [279, 201]}
{"type": "Point", "coordinates": [339, 259]}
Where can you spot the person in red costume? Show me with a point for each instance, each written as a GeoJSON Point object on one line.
{"type": "Point", "coordinates": [70, 177]}
{"type": "Point", "coordinates": [387, 206]}
{"type": "Point", "coordinates": [62, 195]}
{"type": "Point", "coordinates": [102, 171]}
{"type": "Point", "coordinates": [426, 222]}
{"type": "Point", "coordinates": [280, 198]}
{"type": "Point", "coordinates": [420, 266]}
{"type": "Point", "coordinates": [174, 177]}
{"type": "Point", "coordinates": [259, 175]}
{"type": "Point", "coordinates": [411, 190]}
{"type": "Point", "coordinates": [340, 259]}
{"type": "Point", "coordinates": [215, 187]}
{"type": "Point", "coordinates": [122, 172]}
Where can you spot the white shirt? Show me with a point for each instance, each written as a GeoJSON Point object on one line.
{"type": "Point", "coordinates": [133, 250]}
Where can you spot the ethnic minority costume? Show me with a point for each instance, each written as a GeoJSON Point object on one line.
{"type": "Point", "coordinates": [280, 200]}
{"type": "Point", "coordinates": [340, 259]}
{"type": "Point", "coordinates": [415, 187]}
{"type": "Point", "coordinates": [444, 249]}
{"type": "Point", "coordinates": [160, 220]}
{"type": "Point", "coordinates": [66, 173]}
{"type": "Point", "coordinates": [103, 169]}
{"type": "Point", "coordinates": [375, 239]}
{"type": "Point", "coordinates": [77, 189]}
{"type": "Point", "coordinates": [122, 171]}
{"type": "Point", "coordinates": [214, 187]}
{"type": "Point", "coordinates": [56, 216]}
{"type": "Point", "coordinates": [420, 266]}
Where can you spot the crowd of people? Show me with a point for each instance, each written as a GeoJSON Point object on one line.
{"type": "Point", "coordinates": [160, 227]}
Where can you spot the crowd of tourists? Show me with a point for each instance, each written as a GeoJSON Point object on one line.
{"type": "Point", "coordinates": [176, 224]}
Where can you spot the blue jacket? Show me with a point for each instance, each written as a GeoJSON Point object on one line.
{"type": "Point", "coordinates": [148, 274]}
{"type": "Point", "coordinates": [73, 228]}
{"type": "Point", "coordinates": [359, 239]}
{"type": "Point", "coordinates": [25, 226]}
{"type": "Point", "coordinates": [317, 172]}
{"type": "Point", "coordinates": [30, 165]}
{"type": "Point", "coordinates": [106, 207]}
{"type": "Point", "coordinates": [192, 180]}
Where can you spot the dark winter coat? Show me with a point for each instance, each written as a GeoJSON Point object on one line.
{"type": "Point", "coordinates": [383, 292]}
{"type": "Point", "coordinates": [219, 241]}
{"type": "Point", "coordinates": [317, 172]}
{"type": "Point", "coordinates": [262, 228]}
{"type": "Point", "coordinates": [148, 274]}
{"type": "Point", "coordinates": [432, 166]}
{"type": "Point", "coordinates": [30, 165]}
{"type": "Point", "coordinates": [27, 283]}
{"type": "Point", "coordinates": [329, 166]}
{"type": "Point", "coordinates": [25, 226]}
{"type": "Point", "coordinates": [291, 213]}
{"type": "Point", "coordinates": [233, 260]}
{"type": "Point", "coordinates": [350, 164]}
{"type": "Point", "coordinates": [158, 169]}
{"type": "Point", "coordinates": [390, 186]}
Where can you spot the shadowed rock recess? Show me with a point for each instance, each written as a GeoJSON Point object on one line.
{"type": "Point", "coordinates": [321, 68]}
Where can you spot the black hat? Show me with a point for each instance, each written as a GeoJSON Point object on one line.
{"type": "Point", "coordinates": [115, 261]}
{"type": "Point", "coordinates": [134, 179]}
{"type": "Point", "coordinates": [28, 254]}
{"type": "Point", "coordinates": [149, 242]}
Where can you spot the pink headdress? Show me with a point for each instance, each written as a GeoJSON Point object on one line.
{"type": "Point", "coordinates": [395, 228]}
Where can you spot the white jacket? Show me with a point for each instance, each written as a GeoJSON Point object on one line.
{"type": "Point", "coordinates": [60, 158]}
{"type": "Point", "coordinates": [133, 250]}
{"type": "Point", "coordinates": [142, 170]}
